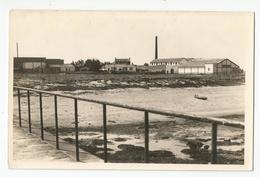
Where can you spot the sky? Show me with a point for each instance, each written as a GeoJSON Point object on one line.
{"type": "Point", "coordinates": [74, 35]}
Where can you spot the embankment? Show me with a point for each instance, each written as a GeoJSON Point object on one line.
{"type": "Point", "coordinates": [71, 82]}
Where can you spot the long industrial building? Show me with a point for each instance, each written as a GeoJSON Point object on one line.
{"type": "Point", "coordinates": [41, 65]}
{"type": "Point", "coordinates": [192, 65]}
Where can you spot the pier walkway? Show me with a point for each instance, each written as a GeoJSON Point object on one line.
{"type": "Point", "coordinates": [28, 147]}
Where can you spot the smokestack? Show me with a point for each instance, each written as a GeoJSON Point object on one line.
{"type": "Point", "coordinates": [17, 49]}
{"type": "Point", "coordinates": [156, 48]}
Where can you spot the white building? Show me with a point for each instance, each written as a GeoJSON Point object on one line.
{"type": "Point", "coordinates": [208, 66]}
{"type": "Point", "coordinates": [167, 65]}
{"type": "Point", "coordinates": [67, 68]}
{"type": "Point", "coordinates": [120, 65]}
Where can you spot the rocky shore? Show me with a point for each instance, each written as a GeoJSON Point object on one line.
{"type": "Point", "coordinates": [102, 82]}
{"type": "Point", "coordinates": [170, 142]}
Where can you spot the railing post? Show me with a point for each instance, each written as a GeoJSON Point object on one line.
{"type": "Point", "coordinates": [29, 111]}
{"type": "Point", "coordinates": [19, 107]}
{"type": "Point", "coordinates": [41, 116]}
{"type": "Point", "coordinates": [105, 131]}
{"type": "Point", "coordinates": [56, 122]}
{"type": "Point", "coordinates": [146, 133]}
{"type": "Point", "coordinates": [214, 143]}
{"type": "Point", "coordinates": [76, 129]}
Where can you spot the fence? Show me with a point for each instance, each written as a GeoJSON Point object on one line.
{"type": "Point", "coordinates": [213, 121]}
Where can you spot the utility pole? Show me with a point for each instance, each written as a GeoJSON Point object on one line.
{"type": "Point", "coordinates": [17, 50]}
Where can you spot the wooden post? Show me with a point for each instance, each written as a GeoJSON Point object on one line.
{"type": "Point", "coordinates": [214, 143]}
{"type": "Point", "coordinates": [76, 129]}
{"type": "Point", "coordinates": [146, 132]}
{"type": "Point", "coordinates": [56, 122]}
{"type": "Point", "coordinates": [41, 115]}
{"type": "Point", "coordinates": [105, 131]}
{"type": "Point", "coordinates": [29, 111]}
{"type": "Point", "coordinates": [19, 108]}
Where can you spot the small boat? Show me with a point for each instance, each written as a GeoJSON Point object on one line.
{"type": "Point", "coordinates": [200, 97]}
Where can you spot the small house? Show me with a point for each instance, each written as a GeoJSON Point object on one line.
{"type": "Point", "coordinates": [120, 65]}
{"type": "Point", "coordinates": [67, 68]}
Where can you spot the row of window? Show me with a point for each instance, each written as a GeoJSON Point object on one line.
{"type": "Point", "coordinates": [121, 69]}
{"type": "Point", "coordinates": [165, 63]}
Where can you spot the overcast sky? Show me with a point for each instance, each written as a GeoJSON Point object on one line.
{"type": "Point", "coordinates": [73, 35]}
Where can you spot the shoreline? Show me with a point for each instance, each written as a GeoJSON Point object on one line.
{"type": "Point", "coordinates": [72, 82]}
{"type": "Point", "coordinates": [181, 145]}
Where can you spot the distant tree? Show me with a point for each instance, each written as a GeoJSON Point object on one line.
{"type": "Point", "coordinates": [89, 64]}
{"type": "Point", "coordinates": [146, 64]}
{"type": "Point", "coordinates": [78, 64]}
{"type": "Point", "coordinates": [93, 65]}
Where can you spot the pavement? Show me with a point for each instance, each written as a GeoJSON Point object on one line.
{"type": "Point", "coordinates": [28, 147]}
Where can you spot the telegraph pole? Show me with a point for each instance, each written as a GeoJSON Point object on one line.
{"type": "Point", "coordinates": [17, 50]}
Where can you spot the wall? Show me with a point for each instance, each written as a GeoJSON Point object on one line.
{"type": "Point", "coordinates": [33, 65]}
{"type": "Point", "coordinates": [209, 68]}
{"type": "Point", "coordinates": [67, 69]}
{"type": "Point", "coordinates": [187, 70]}
{"type": "Point", "coordinates": [157, 68]}
{"type": "Point", "coordinates": [169, 69]}
{"type": "Point", "coordinates": [120, 68]}
{"type": "Point", "coordinates": [201, 70]}
{"type": "Point", "coordinates": [191, 70]}
{"type": "Point", "coordinates": [226, 67]}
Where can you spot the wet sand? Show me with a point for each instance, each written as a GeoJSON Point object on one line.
{"type": "Point", "coordinates": [174, 141]}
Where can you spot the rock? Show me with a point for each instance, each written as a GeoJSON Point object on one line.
{"type": "Point", "coordinates": [109, 82]}
{"type": "Point", "coordinates": [161, 153]}
{"type": "Point", "coordinates": [194, 145]}
{"type": "Point", "coordinates": [206, 147]}
{"type": "Point", "coordinates": [129, 147]}
{"type": "Point", "coordinates": [165, 137]}
{"type": "Point", "coordinates": [119, 139]}
{"type": "Point", "coordinates": [203, 139]}
{"type": "Point", "coordinates": [111, 121]}
{"type": "Point", "coordinates": [99, 142]}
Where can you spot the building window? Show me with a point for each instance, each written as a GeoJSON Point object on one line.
{"type": "Point", "coordinates": [208, 69]}
{"type": "Point", "coordinates": [130, 68]}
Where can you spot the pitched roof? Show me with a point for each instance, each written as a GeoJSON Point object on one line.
{"type": "Point", "coordinates": [67, 65]}
{"type": "Point", "coordinates": [29, 59]}
{"type": "Point", "coordinates": [55, 61]}
{"type": "Point", "coordinates": [201, 62]}
{"type": "Point", "coordinates": [122, 59]}
{"type": "Point", "coordinates": [163, 60]}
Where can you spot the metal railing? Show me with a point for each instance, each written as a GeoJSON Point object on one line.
{"type": "Point", "coordinates": [213, 121]}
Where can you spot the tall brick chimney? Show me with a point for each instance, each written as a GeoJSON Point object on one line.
{"type": "Point", "coordinates": [156, 48]}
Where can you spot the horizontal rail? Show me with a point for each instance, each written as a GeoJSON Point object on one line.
{"type": "Point", "coordinates": [218, 121]}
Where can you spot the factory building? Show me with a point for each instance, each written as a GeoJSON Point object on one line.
{"type": "Point", "coordinates": [191, 65]}
{"type": "Point", "coordinates": [41, 65]}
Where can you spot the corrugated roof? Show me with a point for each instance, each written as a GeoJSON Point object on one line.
{"type": "Point", "coordinates": [201, 62]}
{"type": "Point", "coordinates": [29, 59]}
{"type": "Point", "coordinates": [122, 59]}
{"type": "Point", "coordinates": [70, 65]}
{"type": "Point", "coordinates": [55, 61]}
{"type": "Point", "coordinates": [162, 60]}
